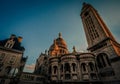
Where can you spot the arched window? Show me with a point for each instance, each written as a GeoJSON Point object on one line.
{"type": "Point", "coordinates": [67, 67]}
{"type": "Point", "coordinates": [9, 43]}
{"type": "Point", "coordinates": [55, 69]}
{"type": "Point", "coordinates": [8, 69]}
{"type": "Point", "coordinates": [103, 60]}
{"type": "Point", "coordinates": [83, 66]}
{"type": "Point", "coordinates": [61, 68]}
{"type": "Point", "coordinates": [91, 65]}
{"type": "Point", "coordinates": [99, 62]}
{"type": "Point", "coordinates": [73, 66]}
{"type": "Point", "coordinates": [107, 60]}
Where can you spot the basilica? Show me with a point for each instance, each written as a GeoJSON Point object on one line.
{"type": "Point", "coordinates": [100, 64]}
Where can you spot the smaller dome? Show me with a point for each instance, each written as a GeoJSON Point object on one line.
{"type": "Point", "coordinates": [54, 46]}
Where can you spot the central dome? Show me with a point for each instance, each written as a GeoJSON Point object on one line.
{"type": "Point", "coordinates": [61, 46]}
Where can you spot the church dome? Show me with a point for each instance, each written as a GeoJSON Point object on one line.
{"type": "Point", "coordinates": [59, 46]}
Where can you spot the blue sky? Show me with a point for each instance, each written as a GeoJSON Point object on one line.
{"type": "Point", "coordinates": [40, 21]}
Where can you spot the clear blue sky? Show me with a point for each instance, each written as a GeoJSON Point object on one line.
{"type": "Point", "coordinates": [40, 21]}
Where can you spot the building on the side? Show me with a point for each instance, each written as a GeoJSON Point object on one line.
{"type": "Point", "coordinates": [11, 59]}
{"type": "Point", "coordinates": [100, 65]}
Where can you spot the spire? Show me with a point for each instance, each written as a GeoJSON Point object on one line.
{"type": "Point", "coordinates": [60, 35]}
{"type": "Point", "coordinates": [55, 41]}
{"type": "Point", "coordinates": [55, 45]}
{"type": "Point", "coordinates": [84, 3]}
{"type": "Point", "coordinates": [46, 52]}
{"type": "Point", "coordinates": [74, 49]}
{"type": "Point", "coordinates": [12, 36]}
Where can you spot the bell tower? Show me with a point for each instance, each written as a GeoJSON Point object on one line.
{"type": "Point", "coordinates": [97, 33]}
{"type": "Point", "coordinates": [101, 42]}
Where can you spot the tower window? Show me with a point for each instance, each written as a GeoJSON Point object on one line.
{"type": "Point", "coordinates": [86, 13]}
{"type": "Point", "coordinates": [91, 28]}
{"type": "Point", "coordinates": [103, 60]}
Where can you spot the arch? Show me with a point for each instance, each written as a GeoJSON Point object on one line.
{"type": "Point", "coordinates": [91, 65]}
{"type": "Point", "coordinates": [55, 69]}
{"type": "Point", "coordinates": [67, 67]}
{"type": "Point", "coordinates": [107, 60]}
{"type": "Point", "coordinates": [83, 67]}
{"type": "Point", "coordinates": [103, 60]}
{"type": "Point", "coordinates": [74, 66]}
{"type": "Point", "coordinates": [61, 68]}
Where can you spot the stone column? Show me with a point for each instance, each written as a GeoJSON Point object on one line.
{"type": "Point", "coordinates": [88, 70]}
{"type": "Point", "coordinates": [79, 70]}
{"type": "Point", "coordinates": [58, 71]}
{"type": "Point", "coordinates": [63, 71]}
{"type": "Point", "coordinates": [71, 70]}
